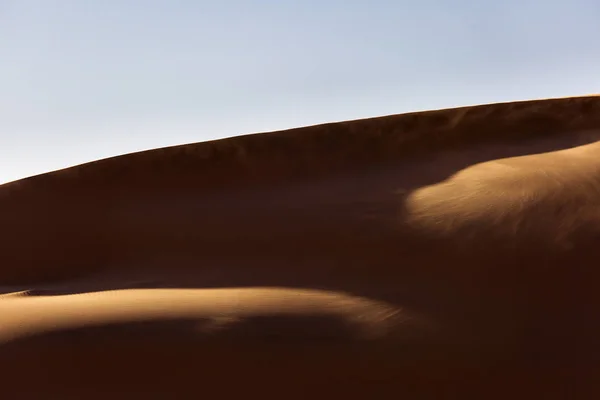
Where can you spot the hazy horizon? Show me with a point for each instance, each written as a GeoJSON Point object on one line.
{"type": "Point", "coordinates": [84, 80]}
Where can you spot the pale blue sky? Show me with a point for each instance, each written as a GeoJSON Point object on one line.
{"type": "Point", "coordinates": [88, 79]}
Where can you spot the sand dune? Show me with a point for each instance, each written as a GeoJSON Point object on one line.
{"type": "Point", "coordinates": [425, 255]}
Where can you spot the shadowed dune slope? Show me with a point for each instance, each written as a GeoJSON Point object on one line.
{"type": "Point", "coordinates": [428, 255]}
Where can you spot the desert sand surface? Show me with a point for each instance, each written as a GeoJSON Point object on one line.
{"type": "Point", "coordinates": [440, 254]}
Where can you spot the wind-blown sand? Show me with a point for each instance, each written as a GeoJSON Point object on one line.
{"type": "Point", "coordinates": [439, 254]}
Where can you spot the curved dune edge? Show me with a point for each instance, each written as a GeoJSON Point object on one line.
{"type": "Point", "coordinates": [330, 147]}
{"type": "Point", "coordinates": [215, 310]}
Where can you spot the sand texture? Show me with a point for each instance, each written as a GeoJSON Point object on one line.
{"type": "Point", "coordinates": [440, 254]}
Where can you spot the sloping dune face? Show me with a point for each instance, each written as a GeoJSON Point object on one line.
{"type": "Point", "coordinates": [551, 196]}
{"type": "Point", "coordinates": [425, 255]}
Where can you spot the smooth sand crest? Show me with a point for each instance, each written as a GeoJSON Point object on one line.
{"type": "Point", "coordinates": [424, 255]}
{"type": "Point", "coordinates": [214, 309]}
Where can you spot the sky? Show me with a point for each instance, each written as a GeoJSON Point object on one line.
{"type": "Point", "coordinates": [82, 80]}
